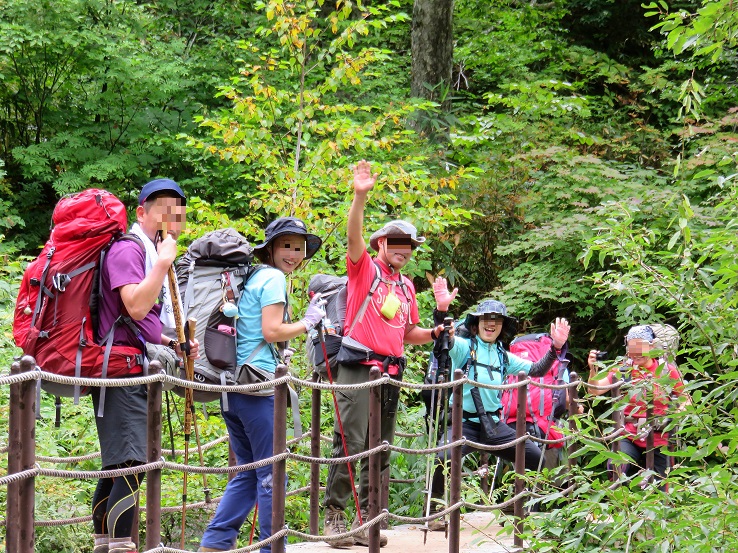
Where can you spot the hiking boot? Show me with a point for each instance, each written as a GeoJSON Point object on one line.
{"type": "Point", "coordinates": [362, 538]}
{"type": "Point", "coordinates": [437, 524]}
{"type": "Point", "coordinates": [335, 523]}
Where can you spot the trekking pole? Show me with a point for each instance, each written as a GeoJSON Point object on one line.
{"type": "Point", "coordinates": [438, 378]}
{"type": "Point", "coordinates": [253, 523]}
{"type": "Point", "coordinates": [189, 411]}
{"type": "Point", "coordinates": [563, 364]}
{"type": "Point", "coordinates": [185, 333]}
{"type": "Point", "coordinates": [321, 337]}
{"type": "Point", "coordinates": [191, 323]}
{"type": "Point", "coordinates": [432, 435]}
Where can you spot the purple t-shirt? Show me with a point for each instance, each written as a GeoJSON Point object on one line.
{"type": "Point", "coordinates": [125, 264]}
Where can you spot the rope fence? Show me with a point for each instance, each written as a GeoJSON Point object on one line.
{"type": "Point", "coordinates": [24, 467]}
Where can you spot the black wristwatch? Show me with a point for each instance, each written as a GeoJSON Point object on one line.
{"type": "Point", "coordinates": [173, 344]}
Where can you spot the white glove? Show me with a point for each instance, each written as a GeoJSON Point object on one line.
{"type": "Point", "coordinates": [314, 313]}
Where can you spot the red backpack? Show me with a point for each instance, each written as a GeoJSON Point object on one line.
{"type": "Point", "coordinates": [544, 404]}
{"type": "Point", "coordinates": [55, 317]}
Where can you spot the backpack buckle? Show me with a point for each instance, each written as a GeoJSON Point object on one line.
{"type": "Point", "coordinates": [60, 281]}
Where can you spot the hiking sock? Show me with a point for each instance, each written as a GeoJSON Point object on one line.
{"type": "Point", "coordinates": [121, 545]}
{"type": "Point", "coordinates": [101, 543]}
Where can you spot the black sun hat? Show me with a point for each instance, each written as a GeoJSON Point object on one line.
{"type": "Point", "coordinates": [290, 225]}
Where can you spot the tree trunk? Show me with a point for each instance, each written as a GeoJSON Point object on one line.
{"type": "Point", "coordinates": [432, 49]}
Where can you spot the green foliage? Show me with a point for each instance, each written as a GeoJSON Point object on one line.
{"type": "Point", "coordinates": [588, 171]}
{"type": "Point", "coordinates": [93, 94]}
{"type": "Point", "coordinates": [294, 142]}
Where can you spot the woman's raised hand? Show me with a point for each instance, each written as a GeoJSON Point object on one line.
{"type": "Point", "coordinates": [560, 332]}
{"type": "Point", "coordinates": [442, 295]}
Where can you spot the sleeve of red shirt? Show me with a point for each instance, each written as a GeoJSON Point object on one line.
{"type": "Point", "coordinates": [676, 375]}
{"type": "Point", "coordinates": [356, 270]}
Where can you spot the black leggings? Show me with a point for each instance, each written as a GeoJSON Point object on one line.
{"type": "Point", "coordinates": [114, 502]}
{"type": "Point", "coordinates": [505, 434]}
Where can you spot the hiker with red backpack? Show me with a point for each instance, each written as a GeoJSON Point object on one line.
{"type": "Point", "coordinates": [657, 383]}
{"type": "Point", "coordinates": [481, 350]}
{"type": "Point", "coordinates": [544, 406]}
{"type": "Point", "coordinates": [262, 322]}
{"type": "Point", "coordinates": [381, 316]}
{"type": "Point", "coordinates": [134, 290]}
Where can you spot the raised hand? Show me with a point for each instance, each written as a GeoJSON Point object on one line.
{"type": "Point", "coordinates": [559, 332]}
{"type": "Point", "coordinates": [442, 295]}
{"type": "Point", "coordinates": [364, 180]}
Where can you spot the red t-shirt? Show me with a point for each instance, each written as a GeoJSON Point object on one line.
{"type": "Point", "coordinates": [638, 404]}
{"type": "Point", "coordinates": [384, 336]}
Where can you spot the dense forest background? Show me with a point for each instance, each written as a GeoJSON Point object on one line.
{"type": "Point", "coordinates": [573, 158]}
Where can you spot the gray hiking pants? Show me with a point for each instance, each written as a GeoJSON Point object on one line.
{"type": "Point", "coordinates": [353, 406]}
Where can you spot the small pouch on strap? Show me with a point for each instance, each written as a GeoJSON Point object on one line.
{"type": "Point", "coordinates": [352, 351]}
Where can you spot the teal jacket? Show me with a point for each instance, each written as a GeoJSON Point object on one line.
{"type": "Point", "coordinates": [490, 369]}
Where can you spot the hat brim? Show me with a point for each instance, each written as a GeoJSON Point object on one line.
{"type": "Point", "coordinates": [504, 317]}
{"type": "Point", "coordinates": [312, 242]}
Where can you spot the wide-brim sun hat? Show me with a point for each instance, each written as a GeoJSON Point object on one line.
{"type": "Point", "coordinates": [396, 228]}
{"type": "Point", "coordinates": [291, 225]}
{"type": "Point", "coordinates": [494, 307]}
{"type": "Point", "coordinates": [490, 307]}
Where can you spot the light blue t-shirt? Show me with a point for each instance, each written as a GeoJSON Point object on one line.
{"type": "Point", "coordinates": [489, 361]}
{"type": "Point", "coordinates": [267, 287]}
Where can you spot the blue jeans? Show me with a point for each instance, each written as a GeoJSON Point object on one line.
{"type": "Point", "coordinates": [250, 423]}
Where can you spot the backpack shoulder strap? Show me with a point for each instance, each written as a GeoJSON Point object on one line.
{"type": "Point", "coordinates": [563, 362]}
{"type": "Point", "coordinates": [471, 361]}
{"type": "Point", "coordinates": [133, 238]}
{"type": "Point", "coordinates": [372, 289]}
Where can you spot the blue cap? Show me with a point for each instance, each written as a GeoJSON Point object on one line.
{"type": "Point", "coordinates": [160, 185]}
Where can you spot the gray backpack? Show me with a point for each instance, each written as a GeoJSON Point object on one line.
{"type": "Point", "coordinates": [666, 338]}
{"type": "Point", "coordinates": [333, 291]}
{"type": "Point", "coordinates": [211, 273]}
